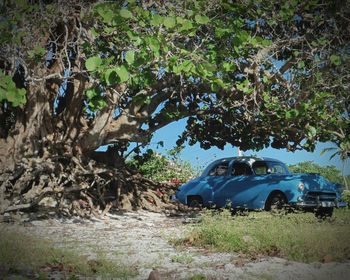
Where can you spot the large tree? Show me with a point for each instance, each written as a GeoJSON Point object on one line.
{"type": "Point", "coordinates": [76, 75]}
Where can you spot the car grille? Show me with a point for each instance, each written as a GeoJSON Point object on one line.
{"type": "Point", "coordinates": [320, 196]}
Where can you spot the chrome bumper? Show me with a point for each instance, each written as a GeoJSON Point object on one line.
{"type": "Point", "coordinates": [336, 204]}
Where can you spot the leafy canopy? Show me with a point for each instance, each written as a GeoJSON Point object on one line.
{"type": "Point", "coordinates": [247, 73]}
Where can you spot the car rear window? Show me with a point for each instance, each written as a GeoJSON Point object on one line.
{"type": "Point", "coordinates": [219, 170]}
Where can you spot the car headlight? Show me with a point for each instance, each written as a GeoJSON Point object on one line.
{"type": "Point", "coordinates": [301, 187]}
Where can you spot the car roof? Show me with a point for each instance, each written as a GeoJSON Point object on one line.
{"type": "Point", "coordinates": [249, 160]}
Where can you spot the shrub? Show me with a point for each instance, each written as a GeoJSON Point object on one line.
{"type": "Point", "coordinates": [330, 172]}
{"type": "Point", "coordinates": [346, 197]}
{"type": "Point", "coordinates": [162, 168]}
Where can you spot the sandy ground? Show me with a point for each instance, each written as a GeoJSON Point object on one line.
{"type": "Point", "coordinates": [142, 239]}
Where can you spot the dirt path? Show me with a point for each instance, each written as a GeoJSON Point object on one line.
{"type": "Point", "coordinates": [141, 240]}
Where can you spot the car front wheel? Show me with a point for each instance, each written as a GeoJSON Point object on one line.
{"type": "Point", "coordinates": [275, 202]}
{"type": "Point", "coordinates": [195, 202]}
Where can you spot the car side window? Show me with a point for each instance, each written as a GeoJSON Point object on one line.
{"type": "Point", "coordinates": [260, 168]}
{"type": "Point", "coordinates": [219, 170]}
{"type": "Point", "coordinates": [240, 168]}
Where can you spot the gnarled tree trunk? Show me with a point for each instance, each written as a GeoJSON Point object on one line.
{"type": "Point", "coordinates": [47, 146]}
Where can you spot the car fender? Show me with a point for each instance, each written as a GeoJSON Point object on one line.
{"type": "Point", "coordinates": [285, 184]}
{"type": "Point", "coordinates": [197, 187]}
{"type": "Point", "coordinates": [261, 198]}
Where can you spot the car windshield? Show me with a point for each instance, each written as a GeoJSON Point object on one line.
{"type": "Point", "coordinates": [277, 168]}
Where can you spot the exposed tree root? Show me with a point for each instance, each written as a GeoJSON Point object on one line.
{"type": "Point", "coordinates": [66, 186]}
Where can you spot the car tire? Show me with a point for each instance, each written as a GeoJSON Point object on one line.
{"type": "Point", "coordinates": [275, 202]}
{"type": "Point", "coordinates": [195, 202]}
{"type": "Point", "coordinates": [324, 212]}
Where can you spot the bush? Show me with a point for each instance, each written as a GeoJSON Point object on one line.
{"type": "Point", "coordinates": [162, 168]}
{"type": "Point", "coordinates": [346, 197]}
{"type": "Point", "coordinates": [330, 172]}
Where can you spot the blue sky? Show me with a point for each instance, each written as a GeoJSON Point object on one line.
{"type": "Point", "coordinates": [199, 157]}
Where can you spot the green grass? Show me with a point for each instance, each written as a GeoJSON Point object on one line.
{"type": "Point", "coordinates": [300, 237]}
{"type": "Point", "coordinates": [184, 259]}
{"type": "Point", "coordinates": [198, 277]}
{"type": "Point", "coordinates": [21, 253]}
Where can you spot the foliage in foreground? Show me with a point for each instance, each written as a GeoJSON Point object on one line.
{"type": "Point", "coordinates": [20, 253]}
{"type": "Point", "coordinates": [299, 237]}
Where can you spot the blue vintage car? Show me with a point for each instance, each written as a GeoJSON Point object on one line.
{"type": "Point", "coordinates": [260, 183]}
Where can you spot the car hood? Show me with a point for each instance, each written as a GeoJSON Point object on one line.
{"type": "Point", "coordinates": [316, 182]}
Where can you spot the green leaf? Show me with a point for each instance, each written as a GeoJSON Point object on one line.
{"type": "Point", "coordinates": [17, 96]}
{"type": "Point", "coordinates": [180, 20]}
{"type": "Point", "coordinates": [186, 66]}
{"type": "Point", "coordinates": [91, 93]}
{"type": "Point", "coordinates": [157, 20]}
{"type": "Point", "coordinates": [209, 67]}
{"type": "Point", "coordinates": [125, 13]}
{"type": "Point", "coordinates": [335, 59]}
{"type": "Point", "coordinates": [186, 25]}
{"type": "Point", "coordinates": [123, 73]}
{"type": "Point", "coordinates": [176, 69]}
{"type": "Point", "coordinates": [154, 44]}
{"type": "Point", "coordinates": [201, 19]}
{"type": "Point", "coordinates": [311, 131]}
{"type": "Point", "coordinates": [2, 94]}
{"type": "Point", "coordinates": [219, 32]}
{"type": "Point", "coordinates": [130, 57]}
{"type": "Point", "coordinates": [97, 103]}
{"type": "Point", "coordinates": [291, 114]}
{"type": "Point", "coordinates": [38, 52]}
{"type": "Point", "coordinates": [229, 66]}
{"type": "Point", "coordinates": [301, 64]}
{"type": "Point", "coordinates": [107, 16]}
{"type": "Point", "coordinates": [93, 63]}
{"type": "Point", "coordinates": [9, 91]}
{"type": "Point", "coordinates": [325, 150]}
{"type": "Point", "coordinates": [111, 77]}
{"type": "Point", "coordinates": [169, 22]}
{"type": "Point", "coordinates": [135, 38]}
{"type": "Point", "coordinates": [220, 83]}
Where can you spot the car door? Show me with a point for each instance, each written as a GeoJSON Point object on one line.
{"type": "Point", "coordinates": [217, 177]}
{"type": "Point", "coordinates": [233, 190]}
